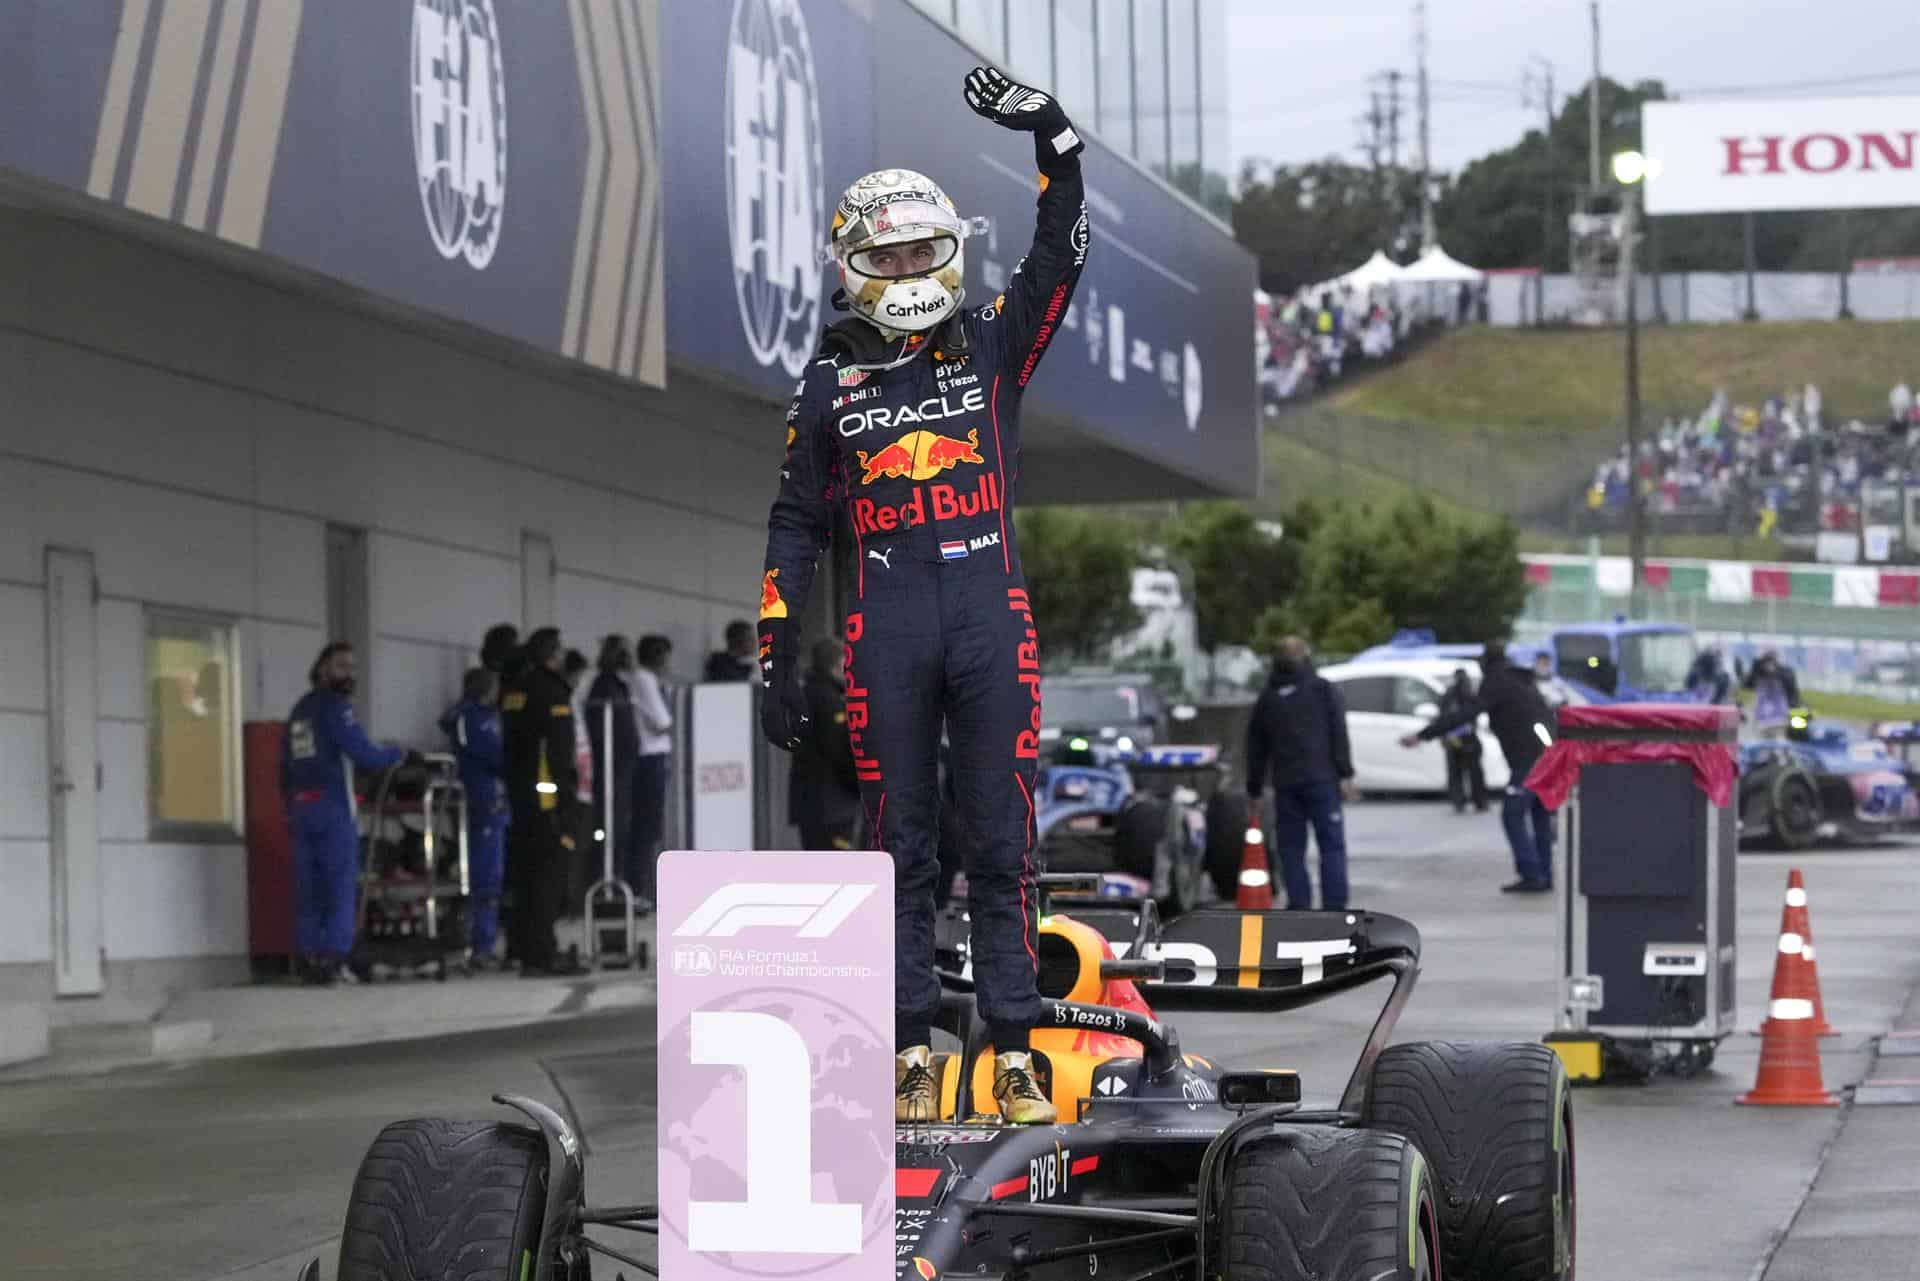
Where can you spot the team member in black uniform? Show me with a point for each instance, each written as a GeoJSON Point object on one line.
{"type": "Point", "coordinates": [825, 789]}
{"type": "Point", "coordinates": [909, 418]}
{"type": "Point", "coordinates": [536, 716]}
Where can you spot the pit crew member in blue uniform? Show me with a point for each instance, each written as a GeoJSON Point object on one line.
{"type": "Point", "coordinates": [323, 745]}
{"type": "Point", "coordinates": [472, 727]}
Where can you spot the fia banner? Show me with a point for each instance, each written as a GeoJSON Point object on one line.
{"type": "Point", "coordinates": [775, 1066]}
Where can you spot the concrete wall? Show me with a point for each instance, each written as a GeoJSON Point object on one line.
{"type": "Point", "coordinates": [196, 429]}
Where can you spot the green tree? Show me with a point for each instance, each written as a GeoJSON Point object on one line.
{"type": "Point", "coordinates": [1238, 566]}
{"type": "Point", "coordinates": [1079, 568]}
{"type": "Point", "coordinates": [1313, 221]}
{"type": "Point", "coordinates": [1368, 571]}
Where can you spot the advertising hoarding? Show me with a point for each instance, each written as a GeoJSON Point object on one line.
{"type": "Point", "coordinates": [1790, 153]}
{"type": "Point", "coordinates": [775, 111]}
{"type": "Point", "coordinates": [486, 160]}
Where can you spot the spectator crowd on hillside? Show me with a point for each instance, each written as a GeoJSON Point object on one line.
{"type": "Point", "coordinates": [1307, 341]}
{"type": "Point", "coordinates": [1749, 469]}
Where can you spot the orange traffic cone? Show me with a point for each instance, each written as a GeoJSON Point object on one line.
{"type": "Point", "coordinates": [1794, 975]}
{"type": "Point", "coordinates": [1796, 889]}
{"type": "Point", "coordinates": [1256, 882]}
{"type": "Point", "coordinates": [1789, 1059]}
{"type": "Point", "coordinates": [1790, 1044]}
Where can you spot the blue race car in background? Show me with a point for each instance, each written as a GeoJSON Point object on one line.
{"type": "Point", "coordinates": [1152, 822]}
{"type": "Point", "coordinates": [1823, 785]}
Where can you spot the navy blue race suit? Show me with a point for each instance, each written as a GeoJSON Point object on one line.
{"type": "Point", "coordinates": [924, 458]}
{"type": "Point", "coordinates": [473, 730]}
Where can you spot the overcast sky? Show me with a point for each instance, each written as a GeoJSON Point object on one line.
{"type": "Point", "coordinates": [1299, 68]}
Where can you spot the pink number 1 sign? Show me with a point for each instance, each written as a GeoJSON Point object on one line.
{"type": "Point", "coordinates": [776, 1066]}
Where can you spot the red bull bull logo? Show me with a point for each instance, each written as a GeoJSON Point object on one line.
{"type": "Point", "coordinates": [919, 455]}
{"type": "Point", "coordinates": [771, 606]}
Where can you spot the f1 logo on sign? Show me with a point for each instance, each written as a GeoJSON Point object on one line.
{"type": "Point", "coordinates": [775, 1066]}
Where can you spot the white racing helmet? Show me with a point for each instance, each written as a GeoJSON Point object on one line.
{"type": "Point", "coordinates": [898, 241]}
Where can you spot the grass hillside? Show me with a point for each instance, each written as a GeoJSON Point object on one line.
{"type": "Point", "coordinates": [1514, 379]}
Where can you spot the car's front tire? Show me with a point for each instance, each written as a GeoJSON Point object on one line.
{"type": "Point", "coordinates": [1496, 1121]}
{"type": "Point", "coordinates": [1334, 1205]}
{"type": "Point", "coordinates": [1139, 833]}
{"type": "Point", "coordinates": [442, 1200]}
{"type": "Point", "coordinates": [1229, 814]}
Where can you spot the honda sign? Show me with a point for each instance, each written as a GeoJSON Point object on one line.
{"type": "Point", "coordinates": [1794, 153]}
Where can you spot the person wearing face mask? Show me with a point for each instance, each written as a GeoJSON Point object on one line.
{"type": "Point", "coordinates": [323, 745]}
{"type": "Point", "coordinates": [1297, 736]}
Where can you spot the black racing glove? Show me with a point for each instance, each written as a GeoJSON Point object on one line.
{"type": "Point", "coordinates": [783, 708]}
{"type": "Point", "coordinates": [1015, 106]}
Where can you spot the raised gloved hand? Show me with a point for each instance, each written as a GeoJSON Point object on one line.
{"type": "Point", "coordinates": [783, 708]}
{"type": "Point", "coordinates": [1010, 105]}
{"type": "Point", "coordinates": [1016, 106]}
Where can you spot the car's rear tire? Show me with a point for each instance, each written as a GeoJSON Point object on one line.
{"type": "Point", "coordinates": [1496, 1121]}
{"type": "Point", "coordinates": [1228, 815]}
{"type": "Point", "coordinates": [1138, 833]}
{"type": "Point", "coordinates": [1334, 1205]}
{"type": "Point", "coordinates": [442, 1200]}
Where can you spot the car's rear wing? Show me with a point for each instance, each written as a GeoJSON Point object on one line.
{"type": "Point", "coordinates": [1161, 769]}
{"type": "Point", "coordinates": [1225, 959]}
{"type": "Point", "coordinates": [1175, 756]}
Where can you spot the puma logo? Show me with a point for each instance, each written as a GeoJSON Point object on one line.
{"type": "Point", "coordinates": [880, 556]}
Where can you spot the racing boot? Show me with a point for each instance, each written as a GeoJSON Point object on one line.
{"type": "Point", "coordinates": [914, 1101]}
{"type": "Point", "coordinates": [1018, 1094]}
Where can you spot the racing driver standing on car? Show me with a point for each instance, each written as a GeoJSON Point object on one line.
{"type": "Point", "coordinates": [909, 419]}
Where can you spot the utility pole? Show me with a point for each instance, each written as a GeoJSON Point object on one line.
{"type": "Point", "coordinates": [1393, 119]}
{"type": "Point", "coordinates": [1426, 132]}
{"type": "Point", "coordinates": [1373, 124]}
{"type": "Point", "coordinates": [1593, 108]}
{"type": "Point", "coordinates": [1544, 69]}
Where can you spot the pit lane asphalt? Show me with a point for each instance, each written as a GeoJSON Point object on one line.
{"type": "Point", "coordinates": [237, 1170]}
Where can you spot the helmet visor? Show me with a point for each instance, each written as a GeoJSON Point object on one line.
{"type": "Point", "coordinates": [904, 258]}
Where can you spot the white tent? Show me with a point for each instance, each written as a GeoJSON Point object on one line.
{"type": "Point", "coordinates": [1377, 270]}
{"type": "Point", "coordinates": [1438, 267]}
{"type": "Point", "coordinates": [1374, 272]}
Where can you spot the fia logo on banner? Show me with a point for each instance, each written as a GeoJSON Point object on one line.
{"type": "Point", "coordinates": [776, 1065]}
{"type": "Point", "coordinates": [460, 126]}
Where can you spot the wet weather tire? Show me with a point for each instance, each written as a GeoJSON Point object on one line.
{"type": "Point", "coordinates": [1334, 1205]}
{"type": "Point", "coordinates": [1495, 1120]}
{"type": "Point", "coordinates": [445, 1201]}
{"type": "Point", "coordinates": [1137, 836]}
{"type": "Point", "coordinates": [1796, 814]}
{"type": "Point", "coordinates": [1228, 814]}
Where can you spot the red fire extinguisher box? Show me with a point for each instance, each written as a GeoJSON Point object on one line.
{"type": "Point", "coordinates": [269, 851]}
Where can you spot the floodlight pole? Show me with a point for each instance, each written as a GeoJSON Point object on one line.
{"type": "Point", "coordinates": [1636, 498]}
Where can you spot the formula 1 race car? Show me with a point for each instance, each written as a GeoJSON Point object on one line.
{"type": "Point", "coordinates": [1823, 786]}
{"type": "Point", "coordinates": [1159, 815]}
{"type": "Point", "coordinates": [1438, 1158]}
